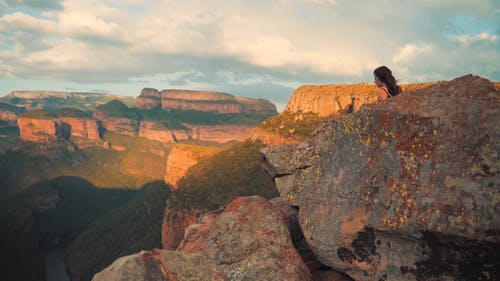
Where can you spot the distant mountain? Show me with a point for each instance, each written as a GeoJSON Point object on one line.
{"type": "Point", "coordinates": [53, 100]}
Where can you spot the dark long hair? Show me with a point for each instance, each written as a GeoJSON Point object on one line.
{"type": "Point", "coordinates": [384, 74]}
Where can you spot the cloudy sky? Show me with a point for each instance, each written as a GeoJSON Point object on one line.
{"type": "Point", "coordinates": [249, 47]}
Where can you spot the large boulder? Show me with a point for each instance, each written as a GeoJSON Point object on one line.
{"type": "Point", "coordinates": [403, 190]}
{"type": "Point", "coordinates": [161, 265]}
{"type": "Point", "coordinates": [249, 241]}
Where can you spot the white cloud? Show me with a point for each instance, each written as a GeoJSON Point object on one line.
{"type": "Point", "coordinates": [409, 52]}
{"type": "Point", "coordinates": [282, 43]}
{"type": "Point", "coordinates": [483, 36]}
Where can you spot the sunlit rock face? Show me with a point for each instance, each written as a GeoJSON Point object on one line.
{"type": "Point", "coordinates": [38, 130]}
{"type": "Point", "coordinates": [121, 125]}
{"type": "Point", "coordinates": [327, 100]}
{"type": "Point", "coordinates": [79, 127]}
{"type": "Point", "coordinates": [403, 190]}
{"type": "Point", "coordinates": [182, 157]}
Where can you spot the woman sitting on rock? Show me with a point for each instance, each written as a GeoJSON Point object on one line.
{"type": "Point", "coordinates": [386, 83]}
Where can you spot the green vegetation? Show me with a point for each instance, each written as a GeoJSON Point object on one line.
{"type": "Point", "coordinates": [72, 112]}
{"type": "Point", "coordinates": [8, 136]}
{"type": "Point", "coordinates": [292, 124]}
{"type": "Point", "coordinates": [116, 108]}
{"type": "Point", "coordinates": [38, 114]}
{"type": "Point", "coordinates": [216, 181]}
{"type": "Point", "coordinates": [9, 107]}
{"type": "Point", "coordinates": [125, 230]}
{"type": "Point", "coordinates": [143, 161]}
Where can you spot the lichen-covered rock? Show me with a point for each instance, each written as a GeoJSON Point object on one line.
{"type": "Point", "coordinates": [403, 190]}
{"type": "Point", "coordinates": [195, 235]}
{"type": "Point", "coordinates": [250, 241]}
{"type": "Point", "coordinates": [161, 265]}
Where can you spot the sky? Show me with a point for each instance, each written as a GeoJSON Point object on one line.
{"type": "Point", "coordinates": [251, 48]}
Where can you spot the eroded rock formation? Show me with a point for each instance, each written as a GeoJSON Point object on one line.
{"type": "Point", "coordinates": [120, 125]}
{"type": "Point", "coordinates": [34, 129]}
{"type": "Point", "coordinates": [86, 128]}
{"type": "Point", "coordinates": [404, 190]}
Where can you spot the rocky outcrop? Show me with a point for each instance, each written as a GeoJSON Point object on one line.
{"type": "Point", "coordinates": [196, 235]}
{"type": "Point", "coordinates": [120, 125]}
{"type": "Point", "coordinates": [207, 101]}
{"type": "Point", "coordinates": [327, 100]}
{"type": "Point", "coordinates": [184, 156]}
{"type": "Point", "coordinates": [219, 133]}
{"type": "Point", "coordinates": [403, 190]}
{"type": "Point", "coordinates": [35, 129]}
{"type": "Point", "coordinates": [86, 128]}
{"type": "Point", "coordinates": [149, 99]}
{"type": "Point", "coordinates": [249, 241]}
{"type": "Point", "coordinates": [155, 131]}
{"type": "Point", "coordinates": [162, 265]}
{"type": "Point", "coordinates": [200, 101]}
{"type": "Point", "coordinates": [256, 106]}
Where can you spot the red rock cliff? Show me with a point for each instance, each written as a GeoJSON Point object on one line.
{"type": "Point", "coordinates": [184, 156]}
{"type": "Point", "coordinates": [79, 127]}
{"type": "Point", "coordinates": [155, 131]}
{"type": "Point", "coordinates": [35, 129]}
{"type": "Point", "coordinates": [206, 101]}
{"type": "Point", "coordinates": [119, 125]}
{"type": "Point", "coordinates": [149, 98]}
